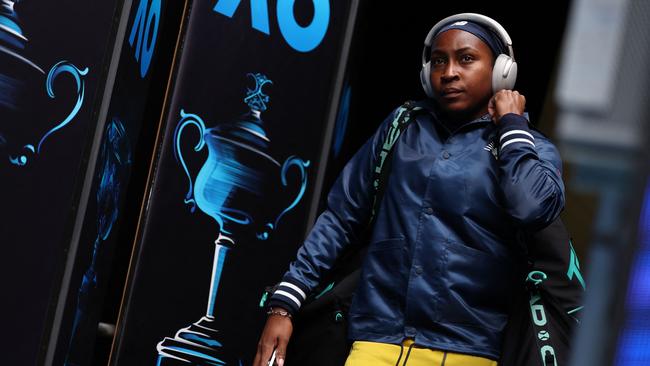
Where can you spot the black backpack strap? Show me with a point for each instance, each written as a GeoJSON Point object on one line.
{"type": "Point", "coordinates": [384, 155]}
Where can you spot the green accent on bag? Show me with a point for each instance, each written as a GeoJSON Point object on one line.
{"type": "Point", "coordinates": [329, 287]}
{"type": "Point", "coordinates": [574, 267]}
{"type": "Point", "coordinates": [263, 299]}
{"type": "Point", "coordinates": [338, 317]}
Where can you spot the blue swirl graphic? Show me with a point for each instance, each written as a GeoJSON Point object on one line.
{"type": "Point", "coordinates": [57, 69]}
{"type": "Point", "coordinates": [188, 119]}
{"type": "Point", "coordinates": [301, 164]}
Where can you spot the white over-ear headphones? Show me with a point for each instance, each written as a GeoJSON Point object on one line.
{"type": "Point", "coordinates": [504, 73]}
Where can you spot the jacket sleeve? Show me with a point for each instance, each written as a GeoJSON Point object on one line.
{"type": "Point", "coordinates": [531, 174]}
{"type": "Point", "coordinates": [346, 215]}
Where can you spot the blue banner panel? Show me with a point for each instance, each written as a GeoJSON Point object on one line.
{"type": "Point", "coordinates": [53, 61]}
{"type": "Point", "coordinates": [253, 103]}
{"type": "Point", "coordinates": [633, 344]}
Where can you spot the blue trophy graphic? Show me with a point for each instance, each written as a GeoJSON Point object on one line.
{"type": "Point", "coordinates": [232, 187]}
{"type": "Point", "coordinates": [18, 75]}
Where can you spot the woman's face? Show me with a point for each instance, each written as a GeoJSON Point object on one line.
{"type": "Point", "coordinates": [461, 73]}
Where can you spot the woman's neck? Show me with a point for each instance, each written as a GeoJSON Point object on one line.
{"type": "Point", "coordinates": [453, 121]}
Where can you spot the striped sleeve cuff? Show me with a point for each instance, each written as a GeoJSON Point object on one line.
{"type": "Point", "coordinates": [514, 131]}
{"type": "Point", "coordinates": [290, 294]}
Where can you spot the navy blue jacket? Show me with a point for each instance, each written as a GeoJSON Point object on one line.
{"type": "Point", "coordinates": [441, 265]}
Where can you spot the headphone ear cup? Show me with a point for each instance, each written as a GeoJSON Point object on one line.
{"type": "Point", "coordinates": [425, 79]}
{"type": "Point", "coordinates": [504, 73]}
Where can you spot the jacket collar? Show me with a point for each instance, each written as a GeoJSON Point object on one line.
{"type": "Point", "coordinates": [431, 107]}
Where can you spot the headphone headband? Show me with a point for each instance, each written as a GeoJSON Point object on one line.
{"type": "Point", "coordinates": [474, 17]}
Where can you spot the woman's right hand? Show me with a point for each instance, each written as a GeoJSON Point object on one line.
{"type": "Point", "coordinates": [275, 335]}
{"type": "Point", "coordinates": [504, 102]}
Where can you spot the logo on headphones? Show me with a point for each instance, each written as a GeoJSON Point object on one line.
{"type": "Point", "coordinates": [462, 22]}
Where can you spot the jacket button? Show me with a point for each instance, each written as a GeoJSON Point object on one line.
{"type": "Point", "coordinates": [428, 211]}
{"type": "Point", "coordinates": [418, 270]}
{"type": "Point", "coordinates": [445, 155]}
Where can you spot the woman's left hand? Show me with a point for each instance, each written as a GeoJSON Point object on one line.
{"type": "Point", "coordinates": [504, 102]}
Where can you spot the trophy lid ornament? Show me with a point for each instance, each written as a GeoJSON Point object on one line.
{"type": "Point", "coordinates": [255, 98]}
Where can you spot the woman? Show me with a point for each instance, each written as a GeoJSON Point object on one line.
{"type": "Point", "coordinates": [467, 175]}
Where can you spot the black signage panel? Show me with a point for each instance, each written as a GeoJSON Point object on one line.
{"type": "Point", "coordinates": [53, 61]}
{"type": "Point", "coordinates": [254, 99]}
{"type": "Point", "coordinates": [123, 146]}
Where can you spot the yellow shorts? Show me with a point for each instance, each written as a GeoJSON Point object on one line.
{"type": "Point", "coordinates": [380, 354]}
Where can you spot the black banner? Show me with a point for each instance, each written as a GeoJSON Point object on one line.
{"type": "Point", "coordinates": [254, 101]}
{"type": "Point", "coordinates": [122, 154]}
{"type": "Point", "coordinates": [53, 60]}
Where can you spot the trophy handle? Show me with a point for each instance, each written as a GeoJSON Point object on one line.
{"type": "Point", "coordinates": [301, 164]}
{"type": "Point", "coordinates": [55, 71]}
{"type": "Point", "coordinates": [188, 119]}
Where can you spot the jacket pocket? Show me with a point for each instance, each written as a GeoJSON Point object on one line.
{"type": "Point", "coordinates": [382, 280]}
{"type": "Point", "coordinates": [478, 286]}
